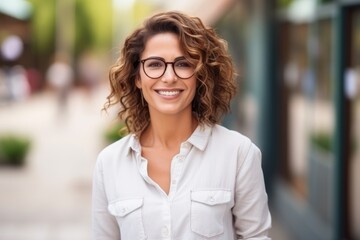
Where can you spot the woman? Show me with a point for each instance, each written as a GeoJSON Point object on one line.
{"type": "Point", "coordinates": [178, 174]}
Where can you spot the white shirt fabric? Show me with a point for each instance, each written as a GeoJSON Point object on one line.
{"type": "Point", "coordinates": [217, 191]}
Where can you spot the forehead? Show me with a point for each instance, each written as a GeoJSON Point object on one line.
{"type": "Point", "coordinates": [166, 45]}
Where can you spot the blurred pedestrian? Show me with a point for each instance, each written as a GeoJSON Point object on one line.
{"type": "Point", "coordinates": [177, 174]}
{"type": "Point", "coordinates": [4, 87]}
{"type": "Point", "coordinates": [19, 84]}
{"type": "Point", "coordinates": [33, 76]}
{"type": "Point", "coordinates": [14, 85]}
{"type": "Point", "coordinates": [90, 71]}
{"type": "Point", "coordinates": [60, 77]}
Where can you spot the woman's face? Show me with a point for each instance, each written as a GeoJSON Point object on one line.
{"type": "Point", "coordinates": [167, 94]}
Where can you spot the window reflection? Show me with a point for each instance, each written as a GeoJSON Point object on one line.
{"type": "Point", "coordinates": [294, 70]}
{"type": "Point", "coordinates": [322, 124]}
{"type": "Point", "coordinates": [308, 77]}
{"type": "Point", "coordinates": [354, 96]}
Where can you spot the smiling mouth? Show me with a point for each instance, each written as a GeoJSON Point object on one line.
{"type": "Point", "coordinates": [169, 93]}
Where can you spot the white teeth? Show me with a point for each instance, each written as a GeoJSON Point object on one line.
{"type": "Point", "coordinates": [168, 93]}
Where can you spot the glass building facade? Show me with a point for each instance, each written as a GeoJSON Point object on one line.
{"type": "Point", "coordinates": [299, 100]}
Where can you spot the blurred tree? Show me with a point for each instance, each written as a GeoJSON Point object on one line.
{"type": "Point", "coordinates": [142, 9]}
{"type": "Point", "coordinates": [284, 3]}
{"type": "Point", "coordinates": [42, 36]}
{"type": "Point", "coordinates": [128, 15]}
{"type": "Point", "coordinates": [43, 25]}
{"type": "Point", "coordinates": [93, 25]}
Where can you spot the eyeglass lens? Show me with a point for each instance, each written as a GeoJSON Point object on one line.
{"type": "Point", "coordinates": [156, 67]}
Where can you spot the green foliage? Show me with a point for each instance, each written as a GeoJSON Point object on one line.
{"type": "Point", "coordinates": [284, 3]}
{"type": "Point", "coordinates": [323, 141]}
{"type": "Point", "coordinates": [115, 132]}
{"type": "Point", "coordinates": [43, 25]}
{"type": "Point", "coordinates": [13, 150]}
{"type": "Point", "coordinates": [93, 25]}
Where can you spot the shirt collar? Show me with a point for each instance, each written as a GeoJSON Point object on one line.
{"type": "Point", "coordinates": [199, 139]}
{"type": "Point", "coordinates": [134, 144]}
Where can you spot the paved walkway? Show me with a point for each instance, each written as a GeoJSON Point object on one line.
{"type": "Point", "coordinates": [49, 199]}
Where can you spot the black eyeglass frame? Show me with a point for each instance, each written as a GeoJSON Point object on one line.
{"type": "Point", "coordinates": [166, 64]}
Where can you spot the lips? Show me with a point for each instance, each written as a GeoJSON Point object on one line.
{"type": "Point", "coordinates": [168, 92]}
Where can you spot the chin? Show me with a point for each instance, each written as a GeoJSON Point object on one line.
{"type": "Point", "coordinates": [170, 111]}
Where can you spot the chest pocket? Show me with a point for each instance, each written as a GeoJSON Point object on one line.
{"type": "Point", "coordinates": [128, 214]}
{"type": "Point", "coordinates": [208, 209]}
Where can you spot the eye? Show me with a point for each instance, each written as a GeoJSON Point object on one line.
{"type": "Point", "coordinates": [183, 64]}
{"type": "Point", "coordinates": [154, 63]}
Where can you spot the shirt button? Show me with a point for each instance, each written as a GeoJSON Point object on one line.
{"type": "Point", "coordinates": [173, 181]}
{"type": "Point", "coordinates": [165, 231]}
{"type": "Point", "coordinates": [211, 199]}
{"type": "Point", "coordinates": [123, 210]}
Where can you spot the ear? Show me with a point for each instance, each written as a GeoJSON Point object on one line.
{"type": "Point", "coordinates": [138, 82]}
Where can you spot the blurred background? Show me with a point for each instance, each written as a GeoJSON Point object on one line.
{"type": "Point", "coordinates": [298, 100]}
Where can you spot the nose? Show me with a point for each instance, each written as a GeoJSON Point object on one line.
{"type": "Point", "coordinates": [169, 74]}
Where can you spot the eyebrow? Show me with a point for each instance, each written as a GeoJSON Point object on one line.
{"type": "Point", "coordinates": [160, 58]}
{"type": "Point", "coordinates": [179, 58]}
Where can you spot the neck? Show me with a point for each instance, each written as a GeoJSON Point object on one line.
{"type": "Point", "coordinates": [168, 131]}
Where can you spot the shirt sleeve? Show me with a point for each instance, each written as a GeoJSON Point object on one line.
{"type": "Point", "coordinates": [104, 225]}
{"type": "Point", "coordinates": [251, 212]}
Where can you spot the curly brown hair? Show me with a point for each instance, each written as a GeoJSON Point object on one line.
{"type": "Point", "coordinates": [201, 45]}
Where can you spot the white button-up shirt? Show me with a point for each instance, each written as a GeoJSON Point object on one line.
{"type": "Point", "coordinates": [216, 192]}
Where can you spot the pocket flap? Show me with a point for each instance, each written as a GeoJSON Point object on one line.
{"type": "Point", "coordinates": [211, 197]}
{"type": "Point", "coordinates": [123, 207]}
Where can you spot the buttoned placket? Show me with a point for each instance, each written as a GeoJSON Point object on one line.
{"type": "Point", "coordinates": [166, 216]}
{"type": "Point", "coordinates": [177, 164]}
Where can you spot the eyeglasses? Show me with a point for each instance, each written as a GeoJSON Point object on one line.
{"type": "Point", "coordinates": [155, 67]}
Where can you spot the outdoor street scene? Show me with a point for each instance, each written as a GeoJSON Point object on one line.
{"type": "Point", "coordinates": [298, 100]}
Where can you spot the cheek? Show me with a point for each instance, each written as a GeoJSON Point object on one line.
{"type": "Point", "coordinates": [193, 91]}
{"type": "Point", "coordinates": [193, 86]}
